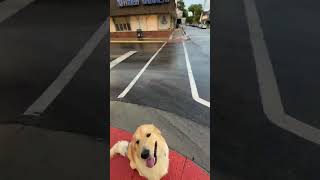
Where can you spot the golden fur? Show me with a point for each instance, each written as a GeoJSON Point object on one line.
{"type": "Point", "coordinates": [149, 137]}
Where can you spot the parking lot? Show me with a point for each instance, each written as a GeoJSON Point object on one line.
{"type": "Point", "coordinates": [168, 76]}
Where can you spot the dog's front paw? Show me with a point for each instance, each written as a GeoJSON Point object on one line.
{"type": "Point", "coordinates": [132, 165]}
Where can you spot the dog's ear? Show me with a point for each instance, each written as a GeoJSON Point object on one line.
{"type": "Point", "coordinates": [130, 149]}
{"type": "Point", "coordinates": [131, 155]}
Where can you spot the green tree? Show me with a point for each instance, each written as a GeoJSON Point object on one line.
{"type": "Point", "coordinates": [189, 19]}
{"type": "Point", "coordinates": [182, 7]}
{"type": "Point", "coordinates": [196, 10]}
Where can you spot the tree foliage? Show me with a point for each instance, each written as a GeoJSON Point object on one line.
{"type": "Point", "coordinates": [196, 10]}
{"type": "Point", "coordinates": [182, 7]}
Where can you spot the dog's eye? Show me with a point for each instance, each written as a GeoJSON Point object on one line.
{"type": "Point", "coordinates": [149, 134]}
{"type": "Point", "coordinates": [137, 141]}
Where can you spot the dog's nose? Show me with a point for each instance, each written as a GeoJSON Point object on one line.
{"type": "Point", "coordinates": [145, 153]}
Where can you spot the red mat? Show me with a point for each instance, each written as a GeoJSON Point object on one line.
{"type": "Point", "coordinates": [180, 167]}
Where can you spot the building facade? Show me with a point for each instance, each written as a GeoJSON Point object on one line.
{"type": "Point", "coordinates": [156, 18]}
{"type": "Point", "coordinates": [205, 18]}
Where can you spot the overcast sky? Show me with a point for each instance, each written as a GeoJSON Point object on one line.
{"type": "Point", "coordinates": [189, 2]}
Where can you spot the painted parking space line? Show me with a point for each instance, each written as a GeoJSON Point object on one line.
{"type": "Point", "coordinates": [121, 58]}
{"type": "Point", "coordinates": [270, 95]}
{"type": "Point", "coordinates": [200, 36]}
{"type": "Point", "coordinates": [127, 89]}
{"type": "Point", "coordinates": [136, 42]}
{"type": "Point", "coordinates": [193, 86]}
{"type": "Point", "coordinates": [10, 7]}
{"type": "Point", "coordinates": [67, 74]}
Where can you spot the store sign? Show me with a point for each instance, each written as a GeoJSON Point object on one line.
{"type": "Point", "coordinates": [124, 3]}
{"type": "Point", "coordinates": [155, 1]}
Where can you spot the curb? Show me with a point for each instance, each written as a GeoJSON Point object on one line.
{"type": "Point", "coordinates": [184, 36]}
{"type": "Point", "coordinates": [180, 166]}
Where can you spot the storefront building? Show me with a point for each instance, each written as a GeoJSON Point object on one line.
{"type": "Point", "coordinates": [156, 18]}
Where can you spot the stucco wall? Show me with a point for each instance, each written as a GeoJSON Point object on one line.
{"type": "Point", "coordinates": [146, 23]}
{"type": "Point", "coordinates": [152, 23]}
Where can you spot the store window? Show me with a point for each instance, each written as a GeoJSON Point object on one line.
{"type": "Point", "coordinates": [122, 23]}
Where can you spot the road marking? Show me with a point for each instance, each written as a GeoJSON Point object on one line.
{"type": "Point", "coordinates": [140, 73]}
{"type": "Point", "coordinates": [67, 74]}
{"type": "Point", "coordinates": [121, 58]}
{"type": "Point", "coordinates": [134, 41]}
{"type": "Point", "coordinates": [200, 36]}
{"type": "Point", "coordinates": [271, 99]}
{"type": "Point", "coordinates": [193, 86]}
{"type": "Point", "coordinates": [10, 7]}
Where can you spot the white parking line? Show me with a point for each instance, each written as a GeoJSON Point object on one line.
{"type": "Point", "coordinates": [67, 74]}
{"type": "Point", "coordinates": [135, 42]}
{"type": "Point", "coordinates": [121, 58]}
{"type": "Point", "coordinates": [10, 7]}
{"type": "Point", "coordinates": [271, 99]}
{"type": "Point", "coordinates": [200, 36]}
{"type": "Point", "coordinates": [193, 86]}
{"type": "Point", "coordinates": [140, 73]}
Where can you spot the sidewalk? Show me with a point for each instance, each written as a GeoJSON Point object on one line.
{"type": "Point", "coordinates": [178, 35]}
{"type": "Point", "coordinates": [182, 135]}
{"type": "Point", "coordinates": [180, 166]}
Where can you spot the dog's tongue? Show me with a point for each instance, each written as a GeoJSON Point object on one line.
{"type": "Point", "coordinates": [150, 162]}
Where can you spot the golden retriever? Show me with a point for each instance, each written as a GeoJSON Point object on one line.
{"type": "Point", "coordinates": [147, 152]}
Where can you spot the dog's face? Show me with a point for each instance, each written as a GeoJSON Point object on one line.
{"type": "Point", "coordinates": [145, 144]}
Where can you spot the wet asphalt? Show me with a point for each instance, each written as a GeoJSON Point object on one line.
{"type": "Point", "coordinates": [165, 84]}
{"type": "Point", "coordinates": [247, 144]}
{"type": "Point", "coordinates": [36, 44]}
{"type": "Point", "coordinates": [294, 52]}
{"type": "Point", "coordinates": [199, 53]}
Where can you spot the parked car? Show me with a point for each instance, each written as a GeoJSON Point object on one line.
{"type": "Point", "coordinates": [204, 26]}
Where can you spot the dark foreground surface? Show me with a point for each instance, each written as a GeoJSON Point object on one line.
{"type": "Point", "coordinates": [247, 144]}
{"type": "Point", "coordinates": [37, 43]}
